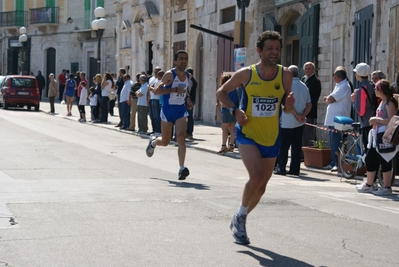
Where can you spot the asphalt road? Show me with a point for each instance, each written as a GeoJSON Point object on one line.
{"type": "Point", "coordinates": [73, 194]}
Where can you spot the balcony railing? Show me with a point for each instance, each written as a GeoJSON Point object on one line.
{"type": "Point", "coordinates": [13, 19]}
{"type": "Point", "coordinates": [44, 15]}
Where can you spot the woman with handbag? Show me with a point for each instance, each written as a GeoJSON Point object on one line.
{"type": "Point", "coordinates": [385, 111]}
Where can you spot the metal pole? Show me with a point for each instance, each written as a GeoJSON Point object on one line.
{"type": "Point", "coordinates": [242, 28]}
{"type": "Point", "coordinates": [99, 35]}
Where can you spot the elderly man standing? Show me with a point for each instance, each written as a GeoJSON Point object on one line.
{"type": "Point", "coordinates": [314, 85]}
{"type": "Point", "coordinates": [292, 125]}
{"type": "Point", "coordinates": [338, 104]}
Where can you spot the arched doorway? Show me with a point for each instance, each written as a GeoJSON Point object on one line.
{"type": "Point", "coordinates": [292, 41]}
{"type": "Point", "coordinates": [50, 66]}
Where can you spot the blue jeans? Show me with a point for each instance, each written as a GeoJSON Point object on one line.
{"type": "Point", "coordinates": [335, 140]}
{"type": "Point", "coordinates": [125, 115]}
{"type": "Point", "coordinates": [155, 115]}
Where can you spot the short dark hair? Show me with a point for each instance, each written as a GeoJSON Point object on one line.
{"type": "Point", "coordinates": [92, 89]}
{"type": "Point", "coordinates": [268, 35]}
{"type": "Point", "coordinates": [71, 76]}
{"type": "Point", "coordinates": [83, 83]}
{"type": "Point", "coordinates": [122, 70]}
{"type": "Point", "coordinates": [179, 52]}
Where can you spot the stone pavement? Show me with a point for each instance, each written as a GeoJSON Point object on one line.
{"type": "Point", "coordinates": [206, 137]}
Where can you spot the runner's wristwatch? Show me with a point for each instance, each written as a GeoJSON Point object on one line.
{"type": "Point", "coordinates": [232, 110]}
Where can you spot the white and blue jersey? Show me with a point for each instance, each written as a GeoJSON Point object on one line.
{"type": "Point", "coordinates": [174, 104]}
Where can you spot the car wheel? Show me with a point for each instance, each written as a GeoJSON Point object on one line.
{"type": "Point", "coordinates": [5, 105]}
{"type": "Point", "coordinates": [37, 107]}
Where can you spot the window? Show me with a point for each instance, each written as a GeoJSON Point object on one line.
{"type": "Point", "coordinates": [228, 15]}
{"type": "Point", "coordinates": [180, 26]}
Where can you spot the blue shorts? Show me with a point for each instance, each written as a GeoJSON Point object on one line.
{"type": "Point", "coordinates": [70, 92]}
{"type": "Point", "coordinates": [173, 113]}
{"type": "Point", "coordinates": [265, 151]}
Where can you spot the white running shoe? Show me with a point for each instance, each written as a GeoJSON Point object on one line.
{"type": "Point", "coordinates": [364, 188]}
{"type": "Point", "coordinates": [383, 191]}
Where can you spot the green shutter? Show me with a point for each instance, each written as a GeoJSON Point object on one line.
{"type": "Point", "coordinates": [20, 13]}
{"type": "Point", "coordinates": [50, 3]}
{"type": "Point", "coordinates": [100, 3]}
{"type": "Point", "coordinates": [87, 24]}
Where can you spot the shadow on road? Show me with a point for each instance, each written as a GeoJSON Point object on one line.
{"type": "Point", "coordinates": [183, 184]}
{"type": "Point", "coordinates": [273, 259]}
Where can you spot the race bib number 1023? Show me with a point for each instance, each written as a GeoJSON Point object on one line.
{"type": "Point", "coordinates": [264, 106]}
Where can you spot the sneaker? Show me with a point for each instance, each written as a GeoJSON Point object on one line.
{"type": "Point", "coordinates": [364, 188]}
{"type": "Point", "coordinates": [183, 173]}
{"type": "Point", "coordinates": [383, 191]}
{"type": "Point", "coordinates": [150, 149]}
{"type": "Point", "coordinates": [237, 226]}
{"type": "Point", "coordinates": [328, 167]}
{"type": "Point", "coordinates": [334, 169]}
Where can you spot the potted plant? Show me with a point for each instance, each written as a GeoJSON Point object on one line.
{"type": "Point", "coordinates": [318, 155]}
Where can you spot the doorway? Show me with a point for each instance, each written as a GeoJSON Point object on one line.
{"type": "Point", "coordinates": [292, 42]}
{"type": "Point", "coordinates": [50, 65]}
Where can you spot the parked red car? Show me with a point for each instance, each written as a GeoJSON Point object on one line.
{"type": "Point", "coordinates": [19, 91]}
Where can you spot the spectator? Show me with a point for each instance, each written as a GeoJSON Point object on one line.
{"type": "Point", "coordinates": [61, 85]}
{"type": "Point", "coordinates": [142, 104]}
{"type": "Point", "coordinates": [93, 103]}
{"type": "Point", "coordinates": [377, 75]}
{"type": "Point", "coordinates": [82, 101]}
{"type": "Point", "coordinates": [133, 102]}
{"type": "Point", "coordinates": [292, 126]}
{"type": "Point", "coordinates": [228, 120]}
{"type": "Point", "coordinates": [41, 82]}
{"type": "Point", "coordinates": [155, 106]}
{"type": "Point", "coordinates": [385, 112]}
{"type": "Point", "coordinates": [338, 104]}
{"type": "Point", "coordinates": [314, 85]}
{"type": "Point", "coordinates": [52, 93]}
{"type": "Point", "coordinates": [192, 91]}
{"type": "Point", "coordinates": [364, 99]}
{"type": "Point", "coordinates": [124, 101]}
{"type": "Point", "coordinates": [119, 85]}
{"type": "Point", "coordinates": [106, 86]}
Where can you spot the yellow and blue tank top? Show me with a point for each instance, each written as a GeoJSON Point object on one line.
{"type": "Point", "coordinates": [261, 101]}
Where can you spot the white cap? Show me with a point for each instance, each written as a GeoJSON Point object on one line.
{"type": "Point", "coordinates": [362, 69]}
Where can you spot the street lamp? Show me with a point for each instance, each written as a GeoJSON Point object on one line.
{"type": "Point", "coordinates": [98, 25]}
{"type": "Point", "coordinates": [23, 39]}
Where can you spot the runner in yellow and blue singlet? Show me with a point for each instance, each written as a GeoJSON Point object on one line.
{"type": "Point", "coordinates": [266, 84]}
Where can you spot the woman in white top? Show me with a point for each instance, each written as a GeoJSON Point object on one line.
{"type": "Point", "coordinates": [106, 86]}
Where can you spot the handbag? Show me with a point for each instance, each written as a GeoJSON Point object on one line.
{"type": "Point", "coordinates": [383, 146]}
{"type": "Point", "coordinates": [391, 134]}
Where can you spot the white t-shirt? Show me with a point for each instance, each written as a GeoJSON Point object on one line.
{"type": "Point", "coordinates": [107, 89]}
{"type": "Point", "coordinates": [342, 105]}
{"type": "Point", "coordinates": [83, 97]}
{"type": "Point", "coordinates": [154, 82]}
{"type": "Point", "coordinates": [93, 100]}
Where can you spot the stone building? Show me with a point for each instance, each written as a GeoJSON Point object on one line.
{"type": "Point", "coordinates": [59, 37]}
{"type": "Point", "coordinates": [142, 34]}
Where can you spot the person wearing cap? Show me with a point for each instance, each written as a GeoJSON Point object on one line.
{"type": "Point", "coordinates": [142, 105]}
{"type": "Point", "coordinates": [338, 104]}
{"type": "Point", "coordinates": [173, 89]}
{"type": "Point", "coordinates": [365, 91]}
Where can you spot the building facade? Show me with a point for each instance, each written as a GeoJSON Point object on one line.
{"type": "Point", "coordinates": [142, 34]}
{"type": "Point", "coordinates": [59, 37]}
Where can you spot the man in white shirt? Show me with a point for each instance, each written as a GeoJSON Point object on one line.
{"type": "Point", "coordinates": [339, 104]}
{"type": "Point", "coordinates": [142, 105]}
{"type": "Point", "coordinates": [125, 102]}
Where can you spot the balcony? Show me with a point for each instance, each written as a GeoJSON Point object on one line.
{"type": "Point", "coordinates": [44, 15]}
{"type": "Point", "coordinates": [13, 19]}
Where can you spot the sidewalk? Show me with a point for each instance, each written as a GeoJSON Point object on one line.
{"type": "Point", "coordinates": [206, 137]}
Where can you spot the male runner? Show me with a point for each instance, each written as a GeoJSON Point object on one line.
{"type": "Point", "coordinates": [173, 88]}
{"type": "Point", "coordinates": [265, 84]}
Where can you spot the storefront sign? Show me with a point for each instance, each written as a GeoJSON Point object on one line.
{"type": "Point", "coordinates": [240, 55]}
{"type": "Point", "coordinates": [15, 43]}
{"type": "Point", "coordinates": [279, 3]}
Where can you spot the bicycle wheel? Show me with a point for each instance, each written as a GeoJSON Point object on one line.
{"type": "Point", "coordinates": [380, 177]}
{"type": "Point", "coordinates": [347, 157]}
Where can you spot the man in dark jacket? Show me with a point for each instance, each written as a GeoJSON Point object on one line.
{"type": "Point", "coordinates": [41, 82]}
{"type": "Point", "coordinates": [119, 86]}
{"type": "Point", "coordinates": [192, 92]}
{"type": "Point", "coordinates": [314, 85]}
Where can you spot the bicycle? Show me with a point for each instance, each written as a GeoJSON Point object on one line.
{"type": "Point", "coordinates": [352, 155]}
